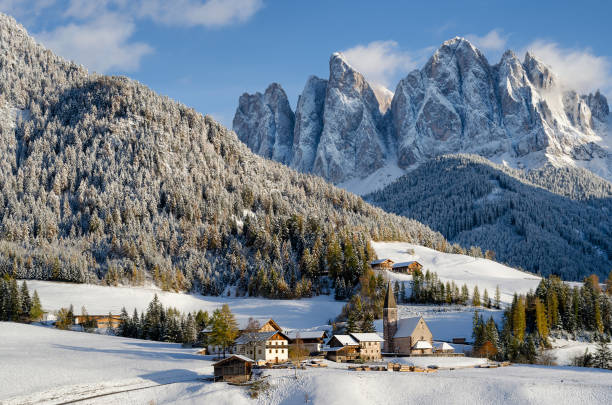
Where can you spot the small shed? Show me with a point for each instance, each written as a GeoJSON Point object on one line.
{"type": "Point", "coordinates": [381, 264]}
{"type": "Point", "coordinates": [236, 368]}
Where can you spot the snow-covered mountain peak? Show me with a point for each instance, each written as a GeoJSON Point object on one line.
{"type": "Point", "coordinates": [514, 111]}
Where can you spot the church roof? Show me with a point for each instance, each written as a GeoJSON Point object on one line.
{"type": "Point", "coordinates": [389, 297]}
{"type": "Point", "coordinates": [405, 326]}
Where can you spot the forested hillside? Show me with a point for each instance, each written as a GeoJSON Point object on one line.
{"type": "Point", "coordinates": [566, 230]}
{"type": "Point", "coordinates": [103, 179]}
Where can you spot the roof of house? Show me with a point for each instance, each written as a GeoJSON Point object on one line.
{"type": "Point", "coordinates": [444, 346]}
{"type": "Point", "coordinates": [405, 326]}
{"type": "Point", "coordinates": [389, 297]}
{"type": "Point", "coordinates": [422, 344]}
{"type": "Point", "coordinates": [244, 323]}
{"type": "Point", "coordinates": [308, 334]}
{"type": "Point", "coordinates": [379, 261]}
{"type": "Point", "coordinates": [404, 264]}
{"type": "Point", "coordinates": [234, 356]}
{"type": "Point", "coordinates": [346, 340]}
{"type": "Point", "coordinates": [256, 337]}
{"type": "Point", "coordinates": [367, 337]}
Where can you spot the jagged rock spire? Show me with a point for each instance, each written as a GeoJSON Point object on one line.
{"type": "Point", "coordinates": [389, 297]}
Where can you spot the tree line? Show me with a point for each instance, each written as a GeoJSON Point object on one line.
{"type": "Point", "coordinates": [554, 309]}
{"type": "Point", "coordinates": [17, 304]}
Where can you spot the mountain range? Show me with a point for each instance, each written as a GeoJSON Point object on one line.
{"type": "Point", "coordinates": [103, 180]}
{"type": "Point", "coordinates": [504, 156]}
{"type": "Point", "coordinates": [344, 129]}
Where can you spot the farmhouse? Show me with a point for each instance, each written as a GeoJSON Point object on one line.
{"type": "Point", "coordinates": [244, 326]}
{"type": "Point", "coordinates": [381, 264]}
{"type": "Point", "coordinates": [311, 340]}
{"type": "Point", "coordinates": [342, 348]}
{"type": "Point", "coordinates": [235, 368]}
{"type": "Point", "coordinates": [406, 267]}
{"type": "Point", "coordinates": [407, 336]}
{"type": "Point", "coordinates": [270, 347]}
{"type": "Point", "coordinates": [369, 345]}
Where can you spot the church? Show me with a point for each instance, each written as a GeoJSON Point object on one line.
{"type": "Point", "coordinates": [406, 336]}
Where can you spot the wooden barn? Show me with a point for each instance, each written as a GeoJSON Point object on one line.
{"type": "Point", "coordinates": [406, 267]}
{"type": "Point", "coordinates": [342, 348]}
{"type": "Point", "coordinates": [381, 264]}
{"type": "Point", "coordinates": [100, 321]}
{"type": "Point", "coordinates": [235, 369]}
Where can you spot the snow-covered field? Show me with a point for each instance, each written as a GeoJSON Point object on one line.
{"type": "Point", "coordinates": [291, 314]}
{"type": "Point", "coordinates": [460, 268]}
{"type": "Point", "coordinates": [42, 365]}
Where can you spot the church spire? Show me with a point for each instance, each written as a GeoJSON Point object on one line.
{"type": "Point", "coordinates": [389, 297]}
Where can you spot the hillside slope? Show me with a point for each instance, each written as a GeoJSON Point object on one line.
{"type": "Point", "coordinates": [472, 201]}
{"type": "Point", "coordinates": [101, 178]}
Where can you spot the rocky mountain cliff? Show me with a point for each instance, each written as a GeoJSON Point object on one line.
{"type": "Point", "coordinates": [515, 112]}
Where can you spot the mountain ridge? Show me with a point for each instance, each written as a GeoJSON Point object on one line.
{"type": "Point", "coordinates": [514, 112]}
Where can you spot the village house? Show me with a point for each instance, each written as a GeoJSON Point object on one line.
{"type": "Point", "coordinates": [262, 325]}
{"type": "Point", "coordinates": [311, 340]}
{"type": "Point", "coordinates": [268, 347]}
{"type": "Point", "coordinates": [342, 348]}
{"type": "Point", "coordinates": [406, 267]}
{"type": "Point", "coordinates": [369, 345]}
{"type": "Point", "coordinates": [235, 369]}
{"type": "Point", "coordinates": [381, 264]}
{"type": "Point", "coordinates": [407, 336]}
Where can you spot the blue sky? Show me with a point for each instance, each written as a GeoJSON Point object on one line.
{"type": "Point", "coordinates": [205, 53]}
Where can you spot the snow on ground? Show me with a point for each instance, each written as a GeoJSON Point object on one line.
{"type": "Point", "coordinates": [565, 350]}
{"type": "Point", "coordinates": [508, 385]}
{"type": "Point", "coordinates": [462, 269]}
{"type": "Point", "coordinates": [42, 365]}
{"type": "Point", "coordinates": [307, 313]}
{"type": "Point", "coordinates": [48, 365]}
{"type": "Point", "coordinates": [375, 181]}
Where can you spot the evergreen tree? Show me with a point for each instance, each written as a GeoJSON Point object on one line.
{"type": "Point", "coordinates": [603, 355]}
{"type": "Point", "coordinates": [485, 299]}
{"type": "Point", "coordinates": [125, 326]}
{"type": "Point", "coordinates": [36, 311]}
{"type": "Point", "coordinates": [190, 334]}
{"type": "Point", "coordinates": [352, 323]}
{"type": "Point", "coordinates": [26, 303]}
{"type": "Point", "coordinates": [224, 328]}
{"type": "Point", "coordinates": [367, 326]}
{"type": "Point", "coordinates": [497, 297]}
{"type": "Point", "coordinates": [476, 297]}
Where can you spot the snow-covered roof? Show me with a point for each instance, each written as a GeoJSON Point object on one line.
{"type": "Point", "coordinates": [422, 344]}
{"type": "Point", "coordinates": [367, 337]}
{"type": "Point", "coordinates": [405, 326]}
{"type": "Point", "coordinates": [238, 356]}
{"type": "Point", "coordinates": [443, 346]}
{"type": "Point", "coordinates": [255, 337]}
{"type": "Point", "coordinates": [309, 334]}
{"type": "Point", "coordinates": [379, 261]}
{"type": "Point", "coordinates": [346, 340]}
{"type": "Point", "coordinates": [404, 264]}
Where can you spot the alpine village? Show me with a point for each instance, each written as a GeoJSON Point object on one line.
{"type": "Point", "coordinates": [262, 202]}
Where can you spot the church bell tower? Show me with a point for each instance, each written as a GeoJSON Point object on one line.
{"type": "Point", "coordinates": [389, 319]}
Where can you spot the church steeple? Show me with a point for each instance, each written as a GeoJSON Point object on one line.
{"type": "Point", "coordinates": [389, 297]}
{"type": "Point", "coordinates": [389, 319]}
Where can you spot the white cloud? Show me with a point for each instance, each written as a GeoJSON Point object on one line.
{"type": "Point", "coordinates": [101, 44]}
{"type": "Point", "coordinates": [491, 41]}
{"type": "Point", "coordinates": [578, 69]}
{"type": "Point", "coordinates": [211, 13]}
{"type": "Point", "coordinates": [380, 61]}
{"type": "Point", "coordinates": [25, 11]}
